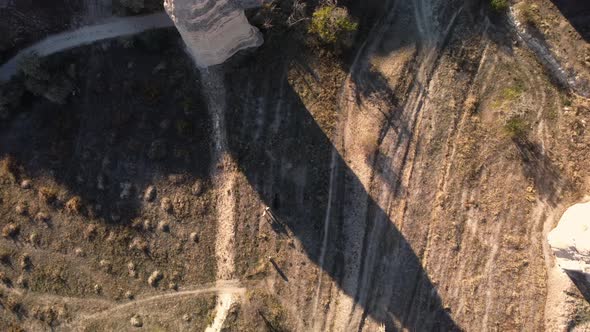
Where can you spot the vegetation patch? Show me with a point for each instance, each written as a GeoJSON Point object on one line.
{"type": "Point", "coordinates": [516, 127]}
{"type": "Point", "coordinates": [499, 5]}
{"type": "Point", "coordinates": [333, 25]}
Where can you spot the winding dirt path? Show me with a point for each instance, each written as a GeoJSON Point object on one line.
{"type": "Point", "coordinates": [227, 287]}
{"type": "Point", "coordinates": [86, 35]}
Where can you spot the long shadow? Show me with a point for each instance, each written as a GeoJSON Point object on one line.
{"type": "Point", "coordinates": [577, 13]}
{"type": "Point", "coordinates": [286, 157]}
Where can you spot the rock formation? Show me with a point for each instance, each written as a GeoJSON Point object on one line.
{"type": "Point", "coordinates": [213, 30]}
{"type": "Point", "coordinates": [570, 242]}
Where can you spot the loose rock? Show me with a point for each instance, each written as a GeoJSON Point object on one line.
{"type": "Point", "coordinates": [25, 184]}
{"type": "Point", "coordinates": [155, 278]}
{"type": "Point", "coordinates": [136, 321]}
{"type": "Point", "coordinates": [166, 205]}
{"type": "Point", "coordinates": [150, 193]}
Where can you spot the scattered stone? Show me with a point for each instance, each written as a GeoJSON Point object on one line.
{"type": "Point", "coordinates": [47, 195]}
{"type": "Point", "coordinates": [166, 205]}
{"type": "Point", "coordinates": [34, 238]}
{"type": "Point", "coordinates": [105, 264]}
{"type": "Point", "coordinates": [161, 66]}
{"type": "Point", "coordinates": [186, 317]}
{"type": "Point", "coordinates": [25, 262]}
{"type": "Point", "coordinates": [74, 205]}
{"type": "Point", "coordinates": [137, 224]}
{"type": "Point", "coordinates": [155, 278]}
{"type": "Point", "coordinates": [90, 232]}
{"type": "Point", "coordinates": [5, 257]}
{"type": "Point", "coordinates": [194, 237]}
{"type": "Point", "coordinates": [157, 150]}
{"type": "Point", "coordinates": [150, 194]}
{"type": "Point", "coordinates": [11, 230]}
{"type": "Point", "coordinates": [25, 184]}
{"type": "Point", "coordinates": [100, 182]}
{"type": "Point", "coordinates": [42, 217]}
{"type": "Point", "coordinates": [129, 295]}
{"type": "Point", "coordinates": [4, 279]}
{"type": "Point", "coordinates": [139, 244]}
{"type": "Point", "coordinates": [164, 226]}
{"type": "Point", "coordinates": [79, 252]}
{"type": "Point", "coordinates": [136, 321]}
{"type": "Point", "coordinates": [131, 268]}
{"type": "Point", "coordinates": [147, 225]}
{"type": "Point", "coordinates": [115, 216]}
{"type": "Point", "coordinates": [173, 286]}
{"type": "Point", "coordinates": [176, 178]}
{"type": "Point", "coordinates": [22, 208]}
{"type": "Point", "coordinates": [181, 204]}
{"type": "Point", "coordinates": [165, 124]}
{"type": "Point", "coordinates": [22, 282]}
{"type": "Point", "coordinates": [97, 288]}
{"type": "Point", "coordinates": [125, 190]}
{"type": "Point", "coordinates": [197, 188]}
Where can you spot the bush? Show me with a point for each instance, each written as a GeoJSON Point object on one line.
{"type": "Point", "coordinates": [516, 127]}
{"type": "Point", "coordinates": [499, 5]}
{"type": "Point", "coordinates": [333, 25]}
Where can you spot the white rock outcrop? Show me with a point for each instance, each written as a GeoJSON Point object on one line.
{"type": "Point", "coordinates": [570, 242]}
{"type": "Point", "coordinates": [213, 30]}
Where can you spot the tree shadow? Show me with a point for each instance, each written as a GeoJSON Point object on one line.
{"type": "Point", "coordinates": [538, 167]}
{"type": "Point", "coordinates": [578, 14]}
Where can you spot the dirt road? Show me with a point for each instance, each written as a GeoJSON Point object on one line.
{"type": "Point", "coordinates": [86, 35]}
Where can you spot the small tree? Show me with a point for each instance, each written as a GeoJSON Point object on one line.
{"type": "Point", "coordinates": [333, 25]}
{"type": "Point", "coordinates": [499, 5]}
{"type": "Point", "coordinates": [516, 127]}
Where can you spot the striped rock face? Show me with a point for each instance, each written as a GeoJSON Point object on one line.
{"type": "Point", "coordinates": [213, 30]}
{"type": "Point", "coordinates": [570, 242]}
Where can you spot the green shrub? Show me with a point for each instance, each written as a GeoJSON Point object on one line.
{"type": "Point", "coordinates": [333, 25]}
{"type": "Point", "coordinates": [516, 127]}
{"type": "Point", "coordinates": [499, 5]}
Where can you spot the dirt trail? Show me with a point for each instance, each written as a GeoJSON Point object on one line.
{"type": "Point", "coordinates": [230, 287]}
{"type": "Point", "coordinates": [224, 172]}
{"type": "Point", "coordinates": [86, 35]}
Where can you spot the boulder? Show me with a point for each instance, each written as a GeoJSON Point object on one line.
{"type": "Point", "coordinates": [213, 30]}
{"type": "Point", "coordinates": [570, 242]}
